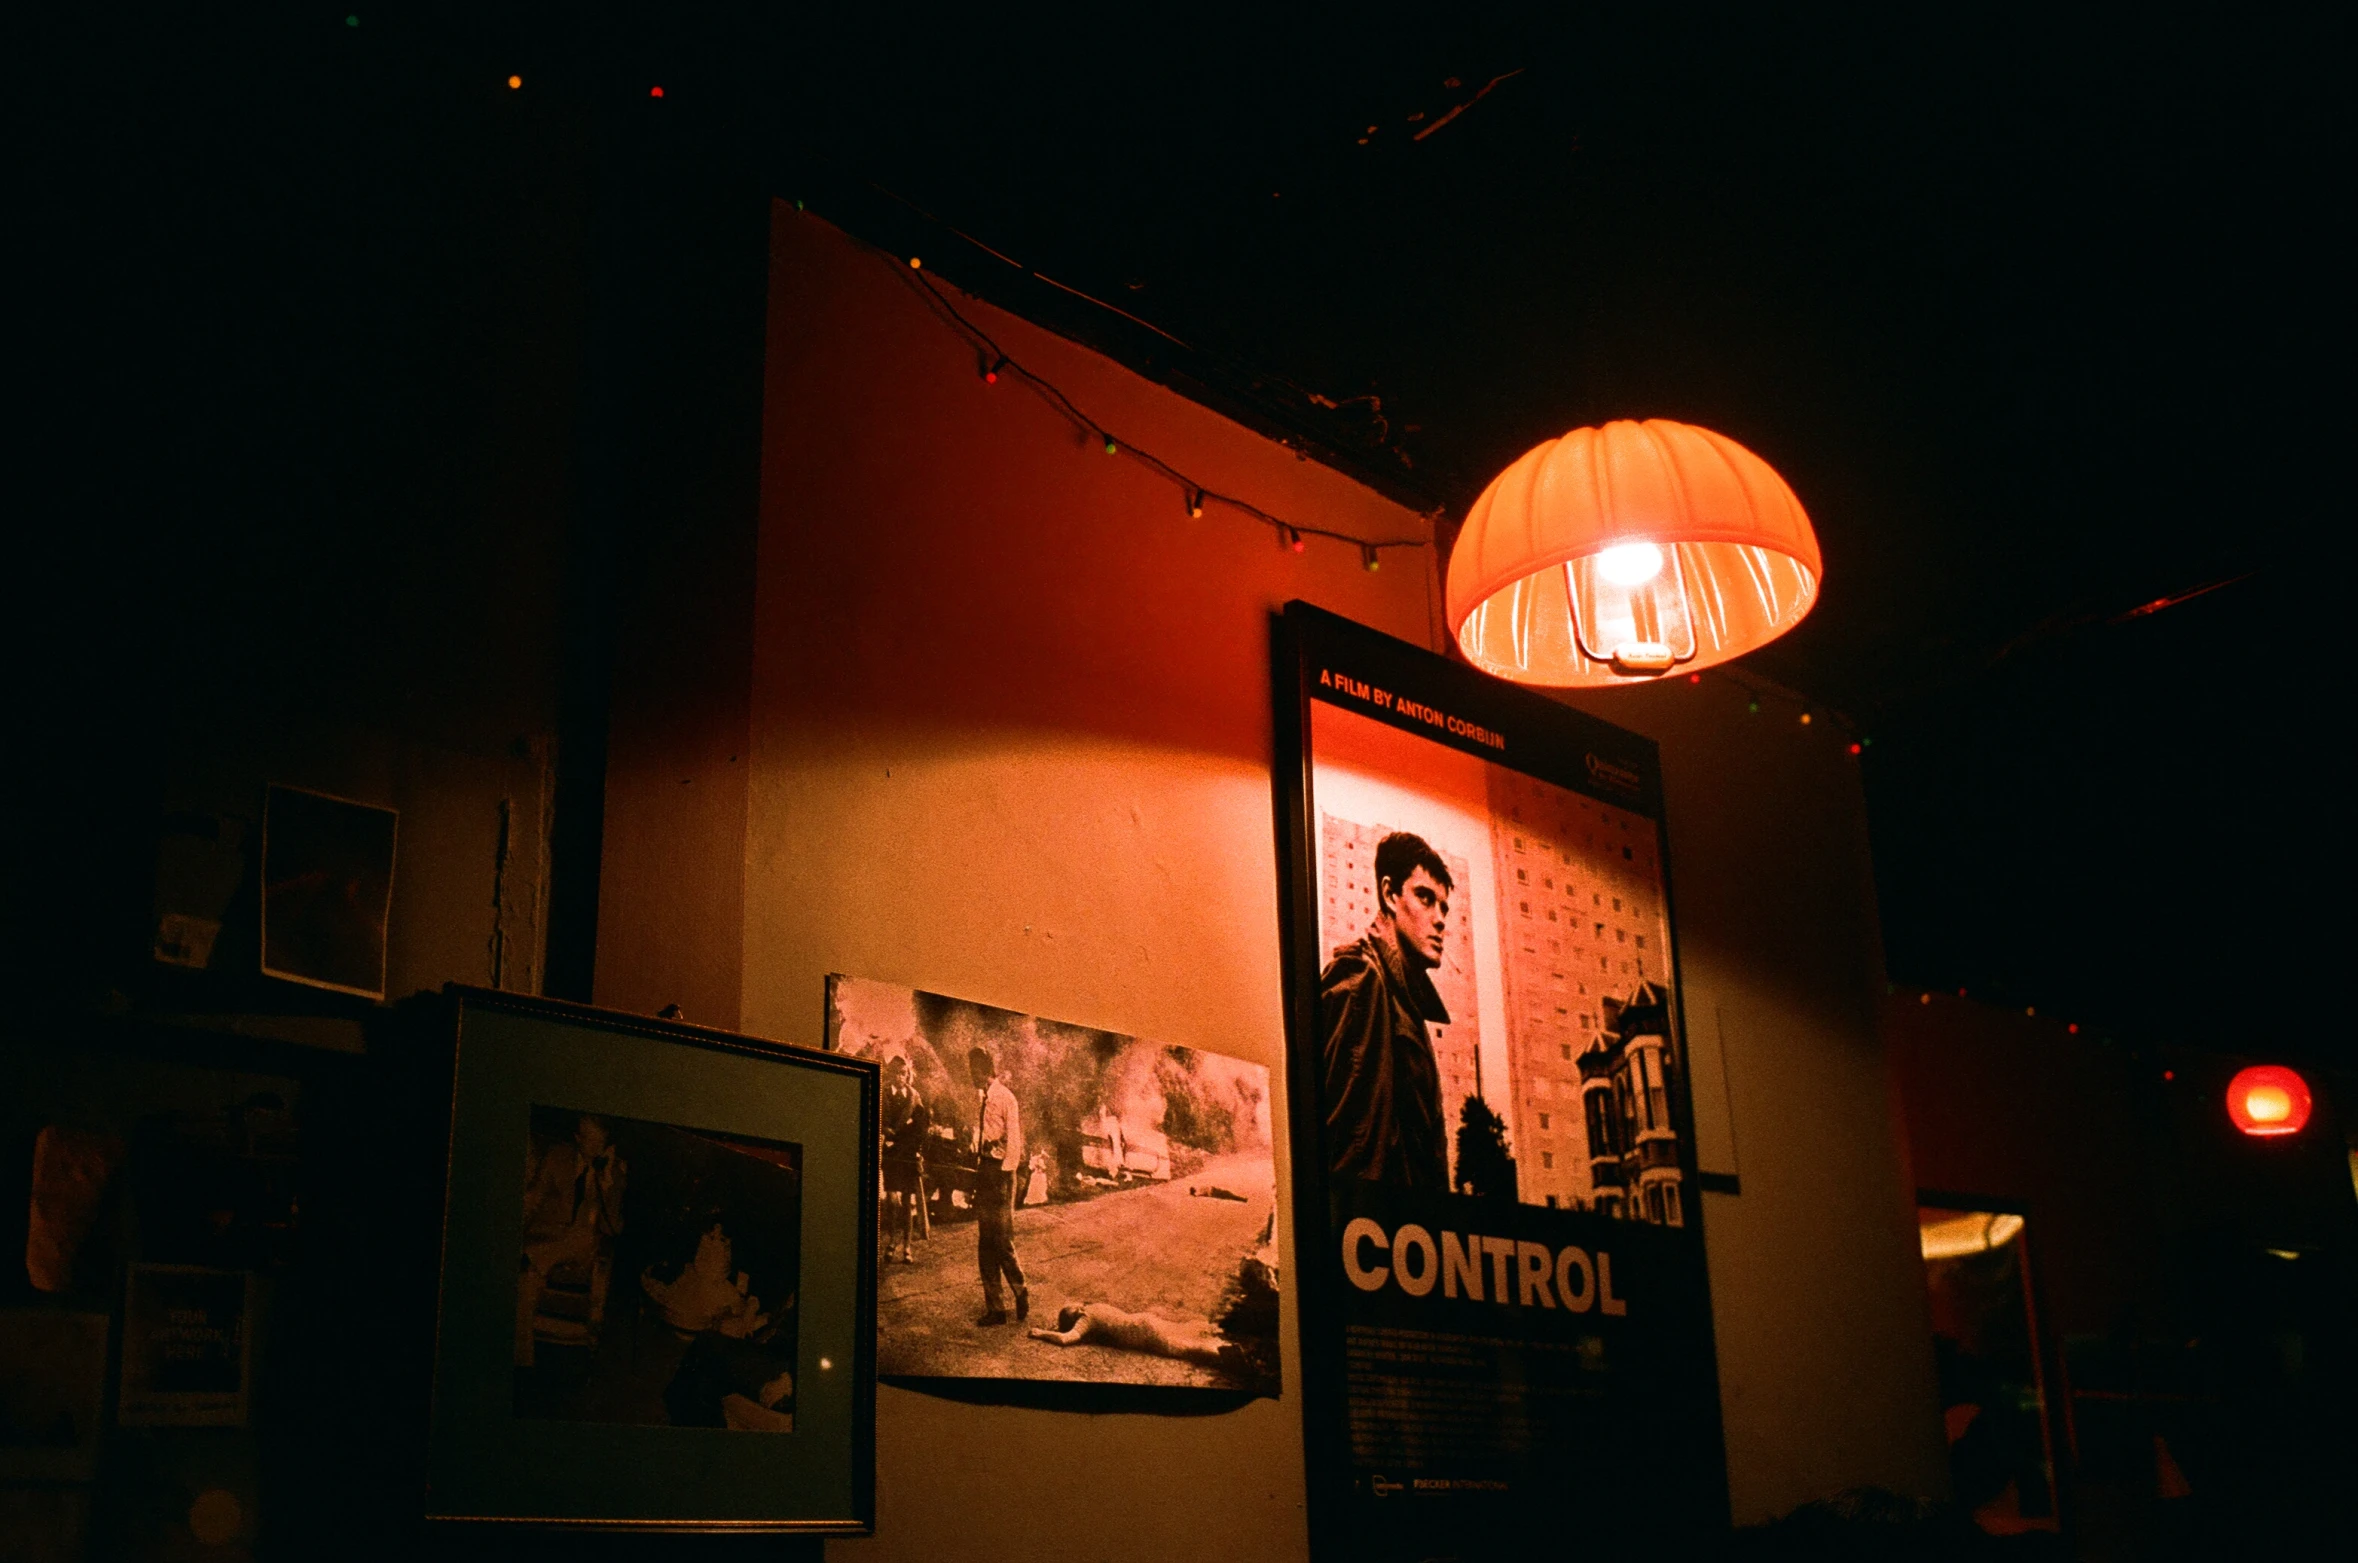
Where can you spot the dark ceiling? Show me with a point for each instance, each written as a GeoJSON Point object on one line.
{"type": "Point", "coordinates": [2043, 316]}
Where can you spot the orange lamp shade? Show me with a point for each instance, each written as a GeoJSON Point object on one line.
{"type": "Point", "coordinates": [2268, 1100]}
{"type": "Point", "coordinates": [1615, 555]}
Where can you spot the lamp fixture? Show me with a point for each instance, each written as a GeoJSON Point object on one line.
{"type": "Point", "coordinates": [1616, 554]}
{"type": "Point", "coordinates": [2268, 1100]}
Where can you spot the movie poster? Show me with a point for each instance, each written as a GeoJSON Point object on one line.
{"type": "Point", "coordinates": [1506, 1314]}
{"type": "Point", "coordinates": [1063, 1204]}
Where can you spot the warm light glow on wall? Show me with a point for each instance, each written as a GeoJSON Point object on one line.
{"type": "Point", "coordinates": [2267, 1100]}
{"type": "Point", "coordinates": [1969, 1232]}
{"type": "Point", "coordinates": [1616, 554]}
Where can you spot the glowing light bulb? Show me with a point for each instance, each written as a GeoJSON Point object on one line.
{"type": "Point", "coordinates": [1630, 564]}
{"type": "Point", "coordinates": [2268, 1100]}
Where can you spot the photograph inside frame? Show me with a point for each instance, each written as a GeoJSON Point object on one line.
{"type": "Point", "coordinates": [659, 1275]}
{"type": "Point", "coordinates": [1065, 1204]}
{"type": "Point", "coordinates": [1522, 926]}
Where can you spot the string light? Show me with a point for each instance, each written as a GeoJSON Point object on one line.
{"type": "Point", "coordinates": [1805, 719]}
{"type": "Point", "coordinates": [654, 92]}
{"type": "Point", "coordinates": [998, 360]}
{"type": "Point", "coordinates": [1694, 678]}
{"type": "Point", "coordinates": [514, 82]}
{"type": "Point", "coordinates": [1856, 748]}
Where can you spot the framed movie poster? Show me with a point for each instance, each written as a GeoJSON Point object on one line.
{"type": "Point", "coordinates": [658, 1286]}
{"type": "Point", "coordinates": [1506, 1319]}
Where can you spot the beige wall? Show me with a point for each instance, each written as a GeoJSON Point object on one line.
{"type": "Point", "coordinates": [1010, 740]}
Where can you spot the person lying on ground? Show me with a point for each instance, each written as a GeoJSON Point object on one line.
{"type": "Point", "coordinates": [1101, 1324]}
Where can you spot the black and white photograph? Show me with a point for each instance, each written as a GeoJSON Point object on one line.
{"type": "Point", "coordinates": [659, 1275]}
{"type": "Point", "coordinates": [327, 890]}
{"type": "Point", "coordinates": [1065, 1203]}
{"type": "Point", "coordinates": [1495, 980]}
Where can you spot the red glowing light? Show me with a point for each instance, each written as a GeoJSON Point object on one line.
{"type": "Point", "coordinates": [654, 92]}
{"type": "Point", "coordinates": [1854, 748]}
{"type": "Point", "coordinates": [2073, 1028]}
{"type": "Point", "coordinates": [2268, 1100]}
{"type": "Point", "coordinates": [1694, 678]}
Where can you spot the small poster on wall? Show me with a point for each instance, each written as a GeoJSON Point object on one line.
{"type": "Point", "coordinates": [327, 890]}
{"type": "Point", "coordinates": [188, 1346]}
{"type": "Point", "coordinates": [1506, 1319]}
{"type": "Point", "coordinates": [1062, 1203]}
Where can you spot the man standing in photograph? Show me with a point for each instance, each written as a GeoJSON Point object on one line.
{"type": "Point", "coordinates": [1381, 1083]}
{"type": "Point", "coordinates": [998, 1147]}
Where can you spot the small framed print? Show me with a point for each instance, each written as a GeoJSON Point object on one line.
{"type": "Point", "coordinates": [188, 1347]}
{"type": "Point", "coordinates": [657, 1302]}
{"type": "Point", "coordinates": [327, 890]}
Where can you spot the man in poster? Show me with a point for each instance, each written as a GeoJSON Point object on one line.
{"type": "Point", "coordinates": [998, 1146]}
{"type": "Point", "coordinates": [1382, 1086]}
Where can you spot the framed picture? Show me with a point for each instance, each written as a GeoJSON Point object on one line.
{"type": "Point", "coordinates": [327, 892]}
{"type": "Point", "coordinates": [1506, 1318]}
{"type": "Point", "coordinates": [188, 1347]}
{"type": "Point", "coordinates": [658, 1284]}
{"type": "Point", "coordinates": [52, 1394]}
{"type": "Point", "coordinates": [1065, 1205]}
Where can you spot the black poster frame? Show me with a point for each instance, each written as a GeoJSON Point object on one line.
{"type": "Point", "coordinates": [1453, 705]}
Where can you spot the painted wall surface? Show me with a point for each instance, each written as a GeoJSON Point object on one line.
{"type": "Point", "coordinates": [1010, 740]}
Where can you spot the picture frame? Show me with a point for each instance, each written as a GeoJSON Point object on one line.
{"type": "Point", "coordinates": [1505, 1302]}
{"type": "Point", "coordinates": [327, 893]}
{"type": "Point", "coordinates": [656, 1297]}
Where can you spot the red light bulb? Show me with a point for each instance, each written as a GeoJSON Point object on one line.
{"type": "Point", "coordinates": [2268, 1100]}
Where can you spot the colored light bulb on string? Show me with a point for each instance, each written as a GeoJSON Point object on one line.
{"type": "Point", "coordinates": [1369, 560]}
{"type": "Point", "coordinates": [1195, 504]}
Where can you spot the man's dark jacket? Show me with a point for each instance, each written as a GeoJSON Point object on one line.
{"type": "Point", "coordinates": [1382, 1087]}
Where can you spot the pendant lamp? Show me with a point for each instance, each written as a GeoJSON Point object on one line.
{"type": "Point", "coordinates": [1618, 554]}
